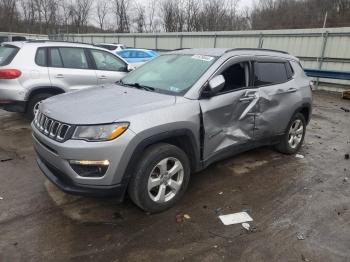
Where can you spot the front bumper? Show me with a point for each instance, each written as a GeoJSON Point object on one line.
{"type": "Point", "coordinates": [53, 160]}
{"type": "Point", "coordinates": [63, 182]}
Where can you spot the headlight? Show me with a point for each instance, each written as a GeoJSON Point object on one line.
{"type": "Point", "coordinates": [100, 132]}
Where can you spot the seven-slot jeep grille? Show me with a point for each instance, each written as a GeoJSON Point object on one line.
{"type": "Point", "coordinates": [51, 128]}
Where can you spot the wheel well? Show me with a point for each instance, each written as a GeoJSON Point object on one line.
{"type": "Point", "coordinates": [46, 90]}
{"type": "Point", "coordinates": [184, 143]}
{"type": "Point", "coordinates": [306, 113]}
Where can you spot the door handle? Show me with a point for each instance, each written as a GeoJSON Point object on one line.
{"type": "Point", "coordinates": [59, 76]}
{"type": "Point", "coordinates": [247, 98]}
{"type": "Point", "coordinates": [290, 90]}
{"type": "Point", "coordinates": [102, 77]}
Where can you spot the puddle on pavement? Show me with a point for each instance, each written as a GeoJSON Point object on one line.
{"type": "Point", "coordinates": [246, 163]}
{"type": "Point", "coordinates": [6, 156]}
{"type": "Point", "coordinates": [86, 210]}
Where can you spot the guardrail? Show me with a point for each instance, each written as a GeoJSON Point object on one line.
{"type": "Point", "coordinates": [330, 74]}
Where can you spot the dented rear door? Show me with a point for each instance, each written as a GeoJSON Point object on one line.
{"type": "Point", "coordinates": [228, 118]}
{"type": "Point", "coordinates": [279, 96]}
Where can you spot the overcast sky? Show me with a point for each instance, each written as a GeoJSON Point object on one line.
{"type": "Point", "coordinates": [246, 3]}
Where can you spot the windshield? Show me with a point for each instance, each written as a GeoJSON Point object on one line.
{"type": "Point", "coordinates": [7, 53]}
{"type": "Point", "coordinates": [174, 74]}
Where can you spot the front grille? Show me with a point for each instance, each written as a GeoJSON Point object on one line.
{"type": "Point", "coordinates": [51, 128]}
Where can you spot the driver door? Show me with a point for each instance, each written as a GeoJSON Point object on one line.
{"type": "Point", "coordinates": [229, 116]}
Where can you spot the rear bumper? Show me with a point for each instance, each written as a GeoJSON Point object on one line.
{"type": "Point", "coordinates": [65, 184]}
{"type": "Point", "coordinates": [13, 106]}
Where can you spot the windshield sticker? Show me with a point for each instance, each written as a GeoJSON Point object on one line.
{"type": "Point", "coordinates": [203, 58]}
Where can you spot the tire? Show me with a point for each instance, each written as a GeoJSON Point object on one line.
{"type": "Point", "coordinates": [149, 169]}
{"type": "Point", "coordinates": [33, 102]}
{"type": "Point", "coordinates": [285, 146]}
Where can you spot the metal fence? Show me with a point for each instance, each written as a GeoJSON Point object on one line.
{"type": "Point", "coordinates": [27, 36]}
{"type": "Point", "coordinates": [321, 49]}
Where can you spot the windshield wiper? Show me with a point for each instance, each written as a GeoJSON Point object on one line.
{"type": "Point", "coordinates": [138, 86]}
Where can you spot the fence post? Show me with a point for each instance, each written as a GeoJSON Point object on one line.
{"type": "Point", "coordinates": [215, 36]}
{"type": "Point", "coordinates": [134, 41]}
{"type": "Point", "coordinates": [261, 40]}
{"type": "Point", "coordinates": [181, 36]}
{"type": "Point", "coordinates": [156, 41]}
{"type": "Point", "coordinates": [323, 51]}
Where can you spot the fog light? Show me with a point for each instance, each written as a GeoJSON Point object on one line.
{"type": "Point", "coordinates": [90, 168]}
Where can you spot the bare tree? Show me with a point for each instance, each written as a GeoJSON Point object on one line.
{"type": "Point", "coordinates": [102, 11]}
{"type": "Point", "coordinates": [140, 18]}
{"type": "Point", "coordinates": [8, 14]}
{"type": "Point", "coordinates": [152, 6]}
{"type": "Point", "coordinates": [80, 13]}
{"type": "Point", "coordinates": [121, 9]}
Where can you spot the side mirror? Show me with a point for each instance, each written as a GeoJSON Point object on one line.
{"type": "Point", "coordinates": [130, 68]}
{"type": "Point", "coordinates": [216, 84]}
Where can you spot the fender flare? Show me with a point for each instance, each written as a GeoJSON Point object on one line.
{"type": "Point", "coordinates": [192, 144]}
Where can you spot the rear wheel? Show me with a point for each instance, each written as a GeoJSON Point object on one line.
{"type": "Point", "coordinates": [34, 103]}
{"type": "Point", "coordinates": [160, 179]}
{"type": "Point", "coordinates": [294, 137]}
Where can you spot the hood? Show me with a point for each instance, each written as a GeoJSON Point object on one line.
{"type": "Point", "coordinates": [103, 104]}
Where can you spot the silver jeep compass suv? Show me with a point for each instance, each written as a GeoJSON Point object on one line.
{"type": "Point", "coordinates": [173, 116]}
{"type": "Point", "coordinates": [32, 71]}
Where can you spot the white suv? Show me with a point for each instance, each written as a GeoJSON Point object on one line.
{"type": "Point", "coordinates": [32, 71]}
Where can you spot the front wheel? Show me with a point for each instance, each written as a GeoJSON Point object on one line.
{"type": "Point", "coordinates": [294, 137]}
{"type": "Point", "coordinates": [160, 179]}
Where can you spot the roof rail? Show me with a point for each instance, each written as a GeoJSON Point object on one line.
{"type": "Point", "coordinates": [257, 49]}
{"type": "Point", "coordinates": [56, 41]}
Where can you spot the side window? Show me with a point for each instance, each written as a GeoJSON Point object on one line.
{"type": "Point", "coordinates": [236, 77]}
{"type": "Point", "coordinates": [73, 58]}
{"type": "Point", "coordinates": [40, 57]}
{"type": "Point", "coordinates": [107, 62]}
{"type": "Point", "coordinates": [269, 73]}
{"type": "Point", "coordinates": [18, 38]}
{"type": "Point", "coordinates": [142, 55]}
{"type": "Point", "coordinates": [125, 54]}
{"type": "Point", "coordinates": [55, 58]}
{"type": "Point", "coordinates": [290, 71]}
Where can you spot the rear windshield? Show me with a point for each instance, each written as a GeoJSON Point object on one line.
{"type": "Point", "coordinates": [7, 53]}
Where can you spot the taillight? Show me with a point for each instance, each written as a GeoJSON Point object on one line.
{"type": "Point", "coordinates": [10, 74]}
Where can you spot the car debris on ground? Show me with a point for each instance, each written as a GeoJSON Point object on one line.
{"type": "Point", "coordinates": [299, 156]}
{"type": "Point", "coordinates": [300, 236]}
{"type": "Point", "coordinates": [236, 218]}
{"type": "Point", "coordinates": [246, 226]}
{"type": "Point", "coordinates": [345, 109]}
{"type": "Point", "coordinates": [187, 216]}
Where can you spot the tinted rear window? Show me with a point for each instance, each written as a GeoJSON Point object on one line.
{"type": "Point", "coordinates": [108, 47]}
{"type": "Point", "coordinates": [7, 53]}
{"type": "Point", "coordinates": [18, 38]}
{"type": "Point", "coordinates": [270, 73]}
{"type": "Point", "coordinates": [3, 39]}
{"type": "Point", "coordinates": [40, 58]}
